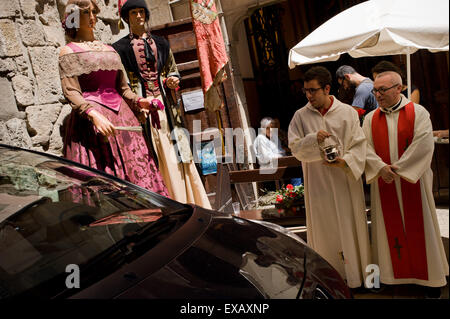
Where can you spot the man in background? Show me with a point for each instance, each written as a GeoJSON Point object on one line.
{"type": "Point", "coordinates": [363, 101]}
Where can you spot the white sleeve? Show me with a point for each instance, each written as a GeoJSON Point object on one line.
{"type": "Point", "coordinates": [419, 154]}
{"type": "Point", "coordinates": [262, 150]}
{"type": "Point", "coordinates": [304, 148]}
{"type": "Point", "coordinates": [356, 148]}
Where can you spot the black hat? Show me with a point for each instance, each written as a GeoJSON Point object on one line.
{"type": "Point", "coordinates": [124, 8]}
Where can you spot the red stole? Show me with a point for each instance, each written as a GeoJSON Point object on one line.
{"type": "Point", "coordinates": [406, 241]}
{"type": "Point", "coordinates": [324, 111]}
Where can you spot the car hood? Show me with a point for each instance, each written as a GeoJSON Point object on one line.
{"type": "Point", "coordinates": [233, 258]}
{"type": "Point", "coordinates": [217, 256]}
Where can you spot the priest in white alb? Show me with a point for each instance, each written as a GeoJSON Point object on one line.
{"type": "Point", "coordinates": [334, 197]}
{"type": "Point", "coordinates": [407, 244]}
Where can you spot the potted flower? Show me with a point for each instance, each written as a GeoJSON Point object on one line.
{"type": "Point", "coordinates": [290, 200]}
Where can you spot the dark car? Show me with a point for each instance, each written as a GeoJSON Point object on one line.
{"type": "Point", "coordinates": [68, 231]}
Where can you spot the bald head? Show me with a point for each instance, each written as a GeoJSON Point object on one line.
{"type": "Point", "coordinates": [387, 88]}
{"type": "Point", "coordinates": [394, 77]}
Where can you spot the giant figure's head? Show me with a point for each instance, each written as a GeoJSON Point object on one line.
{"type": "Point", "coordinates": [133, 6]}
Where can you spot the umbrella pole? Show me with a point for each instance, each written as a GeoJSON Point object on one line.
{"type": "Point", "coordinates": [408, 73]}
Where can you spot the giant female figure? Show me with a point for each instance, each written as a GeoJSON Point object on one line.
{"type": "Point", "coordinates": [93, 82]}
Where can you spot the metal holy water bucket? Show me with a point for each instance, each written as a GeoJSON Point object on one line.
{"type": "Point", "coordinates": [330, 149]}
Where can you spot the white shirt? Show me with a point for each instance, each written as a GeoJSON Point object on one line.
{"type": "Point", "coordinates": [266, 150]}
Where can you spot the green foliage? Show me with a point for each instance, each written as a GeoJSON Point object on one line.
{"type": "Point", "coordinates": [285, 197]}
{"type": "Point", "coordinates": [289, 196]}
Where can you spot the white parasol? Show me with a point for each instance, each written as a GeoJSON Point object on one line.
{"type": "Point", "coordinates": [376, 28]}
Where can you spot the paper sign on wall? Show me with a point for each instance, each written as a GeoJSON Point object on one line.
{"type": "Point", "coordinates": [193, 100]}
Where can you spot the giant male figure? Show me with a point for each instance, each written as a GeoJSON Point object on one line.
{"type": "Point", "coordinates": [153, 73]}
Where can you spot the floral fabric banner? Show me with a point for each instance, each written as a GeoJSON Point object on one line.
{"type": "Point", "coordinates": [211, 50]}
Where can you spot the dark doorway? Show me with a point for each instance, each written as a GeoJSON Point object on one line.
{"type": "Point", "coordinates": [269, 55]}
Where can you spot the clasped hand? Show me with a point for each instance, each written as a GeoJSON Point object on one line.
{"type": "Point", "coordinates": [145, 104]}
{"type": "Point", "coordinates": [145, 107]}
{"type": "Point", "coordinates": [387, 173]}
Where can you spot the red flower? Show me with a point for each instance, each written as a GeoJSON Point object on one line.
{"type": "Point", "coordinates": [289, 187]}
{"type": "Point", "coordinates": [279, 198]}
{"type": "Point", "coordinates": [292, 194]}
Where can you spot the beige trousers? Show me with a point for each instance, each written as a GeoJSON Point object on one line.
{"type": "Point", "coordinates": [182, 179]}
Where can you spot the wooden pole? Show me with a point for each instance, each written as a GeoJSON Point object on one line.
{"type": "Point", "coordinates": [219, 123]}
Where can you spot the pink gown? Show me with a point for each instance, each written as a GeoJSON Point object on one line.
{"type": "Point", "coordinates": [124, 155]}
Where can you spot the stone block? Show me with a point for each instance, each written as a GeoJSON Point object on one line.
{"type": "Point", "coordinates": [14, 132]}
{"type": "Point", "coordinates": [22, 65]}
{"type": "Point", "coordinates": [48, 12]}
{"type": "Point", "coordinates": [10, 75]}
{"type": "Point", "coordinates": [8, 106]}
{"type": "Point", "coordinates": [4, 134]}
{"type": "Point", "coordinates": [103, 32]}
{"type": "Point", "coordinates": [9, 9]}
{"type": "Point", "coordinates": [160, 12]}
{"type": "Point", "coordinates": [23, 89]}
{"type": "Point", "coordinates": [38, 149]}
{"type": "Point", "coordinates": [32, 33]}
{"type": "Point", "coordinates": [28, 8]}
{"type": "Point", "coordinates": [10, 44]}
{"type": "Point", "coordinates": [108, 11]}
{"type": "Point", "coordinates": [44, 61]}
{"type": "Point", "coordinates": [40, 122]}
{"type": "Point", "coordinates": [7, 65]}
{"type": "Point", "coordinates": [54, 35]}
{"type": "Point", "coordinates": [160, 16]}
{"type": "Point", "coordinates": [56, 138]}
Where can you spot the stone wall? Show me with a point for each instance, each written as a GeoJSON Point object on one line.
{"type": "Point", "coordinates": [160, 12]}
{"type": "Point", "coordinates": [32, 106]}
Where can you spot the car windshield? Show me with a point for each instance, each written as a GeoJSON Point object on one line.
{"type": "Point", "coordinates": [54, 213]}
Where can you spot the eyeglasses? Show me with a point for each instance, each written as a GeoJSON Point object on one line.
{"type": "Point", "coordinates": [311, 90]}
{"type": "Point", "coordinates": [383, 90]}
